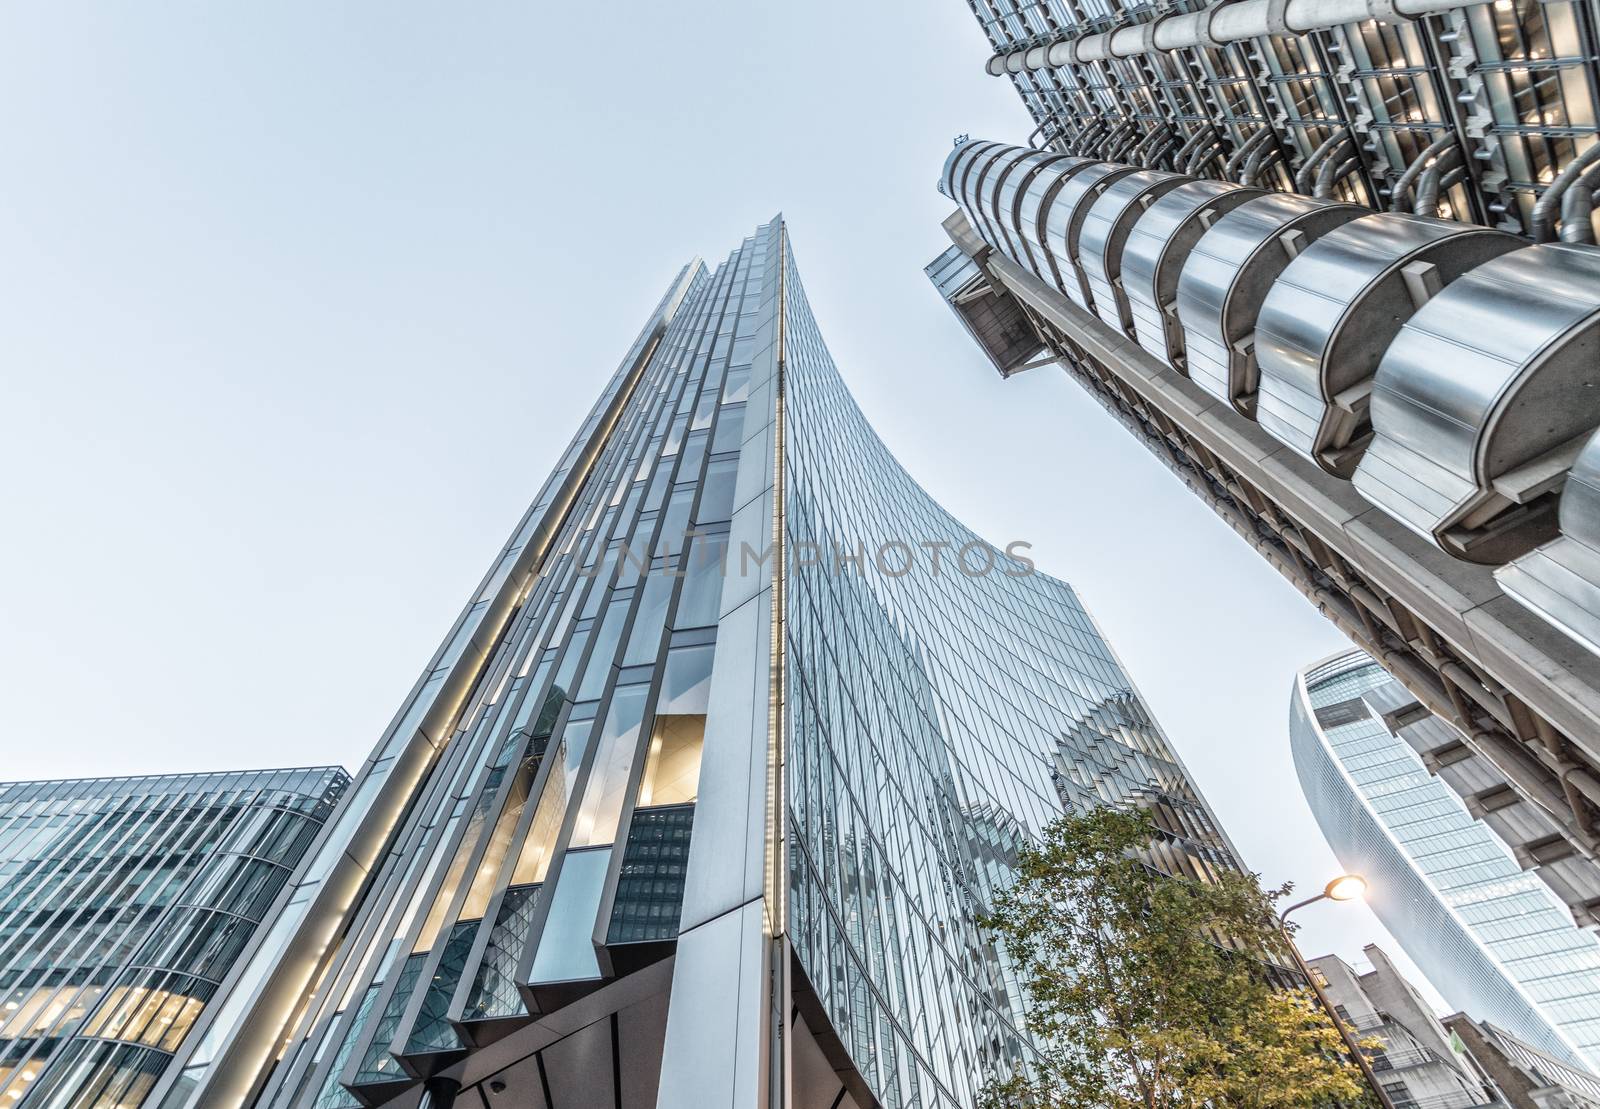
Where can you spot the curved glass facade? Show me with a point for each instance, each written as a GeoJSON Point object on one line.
{"type": "Point", "coordinates": [939, 713]}
{"type": "Point", "coordinates": [703, 794]}
{"type": "Point", "coordinates": [124, 903]}
{"type": "Point", "coordinates": [1489, 935]}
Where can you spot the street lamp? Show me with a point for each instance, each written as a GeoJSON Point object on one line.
{"type": "Point", "coordinates": [1346, 887]}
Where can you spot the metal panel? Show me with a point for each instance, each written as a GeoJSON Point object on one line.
{"type": "Point", "coordinates": [1227, 277]}
{"type": "Point", "coordinates": [1155, 253]}
{"type": "Point", "coordinates": [1033, 214]}
{"type": "Point", "coordinates": [1105, 230]}
{"type": "Point", "coordinates": [1064, 224]}
{"type": "Point", "coordinates": [716, 1040]}
{"type": "Point", "coordinates": [1561, 580]}
{"type": "Point", "coordinates": [1482, 400]}
{"type": "Point", "coordinates": [1331, 315]}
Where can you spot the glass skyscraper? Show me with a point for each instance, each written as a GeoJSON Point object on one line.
{"type": "Point", "coordinates": [124, 903]}
{"type": "Point", "coordinates": [698, 802]}
{"type": "Point", "coordinates": [1494, 940]}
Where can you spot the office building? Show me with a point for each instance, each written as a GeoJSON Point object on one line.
{"type": "Point", "coordinates": [1454, 1062]}
{"type": "Point", "coordinates": [1411, 1052]}
{"type": "Point", "coordinates": [1523, 1076]}
{"type": "Point", "coordinates": [1494, 940]}
{"type": "Point", "coordinates": [698, 801]}
{"type": "Point", "coordinates": [124, 904]}
{"type": "Point", "coordinates": [1397, 410]}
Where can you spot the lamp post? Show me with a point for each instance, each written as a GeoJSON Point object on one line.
{"type": "Point", "coordinates": [1346, 887]}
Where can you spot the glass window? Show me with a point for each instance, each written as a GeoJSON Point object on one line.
{"type": "Point", "coordinates": [605, 651]}
{"type": "Point", "coordinates": [672, 765]}
{"type": "Point", "coordinates": [716, 497]}
{"type": "Point", "coordinates": [644, 643]}
{"type": "Point", "coordinates": [737, 388]}
{"type": "Point", "coordinates": [729, 432]}
{"type": "Point", "coordinates": [566, 949]}
{"type": "Point", "coordinates": [613, 763]}
{"type": "Point", "coordinates": [702, 586]}
{"type": "Point", "coordinates": [686, 687]}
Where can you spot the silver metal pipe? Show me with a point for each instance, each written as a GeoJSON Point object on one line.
{"type": "Point", "coordinates": [1435, 149]}
{"type": "Point", "coordinates": [1577, 207]}
{"type": "Point", "coordinates": [1244, 151]}
{"type": "Point", "coordinates": [1217, 25]}
{"type": "Point", "coordinates": [1427, 198]}
{"type": "Point", "coordinates": [1257, 162]}
{"type": "Point", "coordinates": [1086, 138]}
{"type": "Point", "coordinates": [1331, 174]}
{"type": "Point", "coordinates": [1207, 156]}
{"type": "Point", "coordinates": [1549, 202]}
{"type": "Point", "coordinates": [1113, 143]}
{"type": "Point", "coordinates": [1140, 151]}
{"type": "Point", "coordinates": [1200, 135]}
{"type": "Point", "coordinates": [1304, 177]}
{"type": "Point", "coordinates": [1432, 182]}
{"type": "Point", "coordinates": [1204, 152]}
{"type": "Point", "coordinates": [1162, 149]}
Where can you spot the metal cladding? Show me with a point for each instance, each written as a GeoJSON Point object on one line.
{"type": "Point", "coordinates": [1063, 225]}
{"type": "Point", "coordinates": [1331, 314]}
{"type": "Point", "coordinates": [1227, 276]}
{"type": "Point", "coordinates": [1104, 236]}
{"type": "Point", "coordinates": [1385, 405]}
{"type": "Point", "coordinates": [1557, 580]}
{"type": "Point", "coordinates": [1153, 257]}
{"type": "Point", "coordinates": [1473, 110]}
{"type": "Point", "coordinates": [1484, 400]}
{"type": "Point", "coordinates": [1464, 356]}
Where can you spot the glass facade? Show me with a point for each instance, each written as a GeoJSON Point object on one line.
{"type": "Point", "coordinates": [124, 903]}
{"type": "Point", "coordinates": [701, 797]}
{"type": "Point", "coordinates": [943, 705]}
{"type": "Point", "coordinates": [1488, 934]}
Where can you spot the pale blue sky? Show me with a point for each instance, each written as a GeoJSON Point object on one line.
{"type": "Point", "coordinates": [300, 301]}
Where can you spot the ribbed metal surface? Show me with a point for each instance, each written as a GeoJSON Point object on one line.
{"type": "Point", "coordinates": [1331, 314]}
{"type": "Point", "coordinates": [1447, 368]}
{"type": "Point", "coordinates": [1155, 255]}
{"type": "Point", "coordinates": [1354, 100]}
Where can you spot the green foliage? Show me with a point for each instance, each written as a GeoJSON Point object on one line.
{"type": "Point", "coordinates": [1149, 990]}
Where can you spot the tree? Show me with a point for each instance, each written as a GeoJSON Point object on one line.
{"type": "Point", "coordinates": [1153, 992]}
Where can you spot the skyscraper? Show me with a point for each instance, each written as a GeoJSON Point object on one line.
{"type": "Point", "coordinates": [1398, 411]}
{"type": "Point", "coordinates": [124, 902]}
{"type": "Point", "coordinates": [697, 802]}
{"type": "Point", "coordinates": [1493, 939]}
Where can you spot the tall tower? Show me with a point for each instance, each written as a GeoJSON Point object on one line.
{"type": "Point", "coordinates": [697, 802]}
{"type": "Point", "coordinates": [1494, 940]}
{"type": "Point", "coordinates": [1398, 411]}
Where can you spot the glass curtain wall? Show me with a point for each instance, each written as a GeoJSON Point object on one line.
{"type": "Point", "coordinates": [124, 903]}
{"type": "Point", "coordinates": [1489, 935]}
{"type": "Point", "coordinates": [535, 813]}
